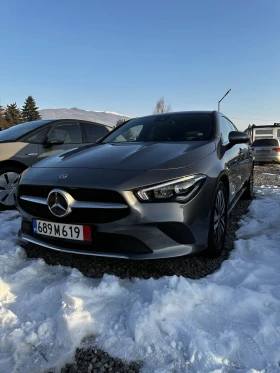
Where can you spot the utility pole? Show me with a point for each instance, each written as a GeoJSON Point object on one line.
{"type": "Point", "coordinates": [222, 99]}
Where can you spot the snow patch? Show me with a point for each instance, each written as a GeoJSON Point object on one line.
{"type": "Point", "coordinates": [110, 112]}
{"type": "Point", "coordinates": [226, 322]}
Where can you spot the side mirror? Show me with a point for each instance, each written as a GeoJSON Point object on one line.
{"type": "Point", "coordinates": [53, 142]}
{"type": "Point", "coordinates": [236, 137]}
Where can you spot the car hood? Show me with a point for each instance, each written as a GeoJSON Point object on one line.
{"type": "Point", "coordinates": [131, 157]}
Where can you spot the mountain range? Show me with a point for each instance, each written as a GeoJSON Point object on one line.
{"type": "Point", "coordinates": [105, 117]}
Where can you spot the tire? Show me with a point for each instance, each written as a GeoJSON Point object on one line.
{"type": "Point", "coordinates": [218, 222]}
{"type": "Point", "coordinates": [8, 179]}
{"type": "Point", "coordinates": [249, 191]}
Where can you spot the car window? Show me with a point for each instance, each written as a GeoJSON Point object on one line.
{"type": "Point", "coordinates": [266, 131]}
{"type": "Point", "coordinates": [38, 137]}
{"type": "Point", "coordinates": [262, 137]}
{"type": "Point", "coordinates": [165, 127]}
{"type": "Point", "coordinates": [94, 131]}
{"type": "Point", "coordinates": [69, 133]}
{"type": "Point", "coordinates": [231, 125]}
{"type": "Point", "coordinates": [131, 134]}
{"type": "Point", "coordinates": [265, 142]}
{"type": "Point", "coordinates": [225, 129]}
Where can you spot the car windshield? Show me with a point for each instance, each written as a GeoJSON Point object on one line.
{"type": "Point", "coordinates": [167, 127]}
{"type": "Point", "coordinates": [265, 142]}
{"type": "Point", "coordinates": [19, 130]}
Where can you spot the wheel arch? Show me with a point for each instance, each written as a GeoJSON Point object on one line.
{"type": "Point", "coordinates": [12, 163]}
{"type": "Point", "coordinates": [224, 179]}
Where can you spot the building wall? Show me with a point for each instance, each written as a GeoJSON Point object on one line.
{"type": "Point", "coordinates": [271, 132]}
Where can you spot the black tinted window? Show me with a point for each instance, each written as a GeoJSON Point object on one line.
{"type": "Point", "coordinates": [265, 142]}
{"type": "Point", "coordinates": [167, 127]}
{"type": "Point", "coordinates": [95, 131]}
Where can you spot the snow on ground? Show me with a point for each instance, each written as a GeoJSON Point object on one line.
{"type": "Point", "coordinates": [226, 322]}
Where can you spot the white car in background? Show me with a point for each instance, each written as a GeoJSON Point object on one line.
{"type": "Point", "coordinates": [266, 150]}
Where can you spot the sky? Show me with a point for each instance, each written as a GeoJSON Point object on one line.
{"type": "Point", "coordinates": [124, 55]}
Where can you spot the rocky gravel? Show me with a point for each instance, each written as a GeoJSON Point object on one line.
{"type": "Point", "coordinates": [97, 361]}
{"type": "Point", "coordinates": [267, 175]}
{"type": "Point", "coordinates": [93, 360]}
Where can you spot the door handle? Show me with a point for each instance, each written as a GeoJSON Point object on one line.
{"type": "Point", "coordinates": [31, 154]}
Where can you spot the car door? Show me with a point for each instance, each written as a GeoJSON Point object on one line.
{"type": "Point", "coordinates": [232, 159]}
{"type": "Point", "coordinates": [244, 158]}
{"type": "Point", "coordinates": [30, 153]}
{"type": "Point", "coordinates": [62, 136]}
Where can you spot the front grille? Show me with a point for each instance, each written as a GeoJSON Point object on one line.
{"type": "Point", "coordinates": [77, 216]}
{"type": "Point", "coordinates": [79, 194]}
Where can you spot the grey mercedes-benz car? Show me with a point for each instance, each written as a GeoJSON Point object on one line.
{"type": "Point", "coordinates": [27, 143]}
{"type": "Point", "coordinates": [158, 186]}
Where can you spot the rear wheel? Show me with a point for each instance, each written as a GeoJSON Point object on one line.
{"type": "Point", "coordinates": [8, 181]}
{"type": "Point", "coordinates": [218, 222]}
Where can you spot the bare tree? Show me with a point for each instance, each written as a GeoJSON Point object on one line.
{"type": "Point", "coordinates": [161, 107]}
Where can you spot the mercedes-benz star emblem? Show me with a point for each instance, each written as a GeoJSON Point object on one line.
{"type": "Point", "coordinates": [59, 203]}
{"type": "Point", "coordinates": [63, 176]}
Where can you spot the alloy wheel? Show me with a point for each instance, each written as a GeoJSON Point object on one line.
{"type": "Point", "coordinates": [219, 218]}
{"type": "Point", "coordinates": [8, 181]}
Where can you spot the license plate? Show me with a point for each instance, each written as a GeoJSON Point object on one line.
{"type": "Point", "coordinates": [60, 230]}
{"type": "Point", "coordinates": [263, 152]}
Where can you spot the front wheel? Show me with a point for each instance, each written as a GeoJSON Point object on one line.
{"type": "Point", "coordinates": [249, 191]}
{"type": "Point", "coordinates": [218, 221]}
{"type": "Point", "coordinates": [8, 181]}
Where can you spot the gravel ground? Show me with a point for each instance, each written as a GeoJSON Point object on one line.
{"type": "Point", "coordinates": [267, 175]}
{"type": "Point", "coordinates": [195, 267]}
{"type": "Point", "coordinates": [97, 361]}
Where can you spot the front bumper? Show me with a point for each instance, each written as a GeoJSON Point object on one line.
{"type": "Point", "coordinates": [150, 231]}
{"type": "Point", "coordinates": [178, 250]}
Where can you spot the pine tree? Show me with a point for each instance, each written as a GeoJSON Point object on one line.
{"type": "Point", "coordinates": [3, 123]}
{"type": "Point", "coordinates": [30, 110]}
{"type": "Point", "coordinates": [119, 122]}
{"type": "Point", "coordinates": [13, 115]}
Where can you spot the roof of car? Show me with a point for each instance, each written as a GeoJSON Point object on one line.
{"type": "Point", "coordinates": [179, 112]}
{"type": "Point", "coordinates": [72, 119]}
{"type": "Point", "coordinates": [265, 139]}
{"type": "Point", "coordinates": [109, 128]}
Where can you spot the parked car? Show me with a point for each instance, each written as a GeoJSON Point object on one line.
{"type": "Point", "coordinates": [266, 150]}
{"type": "Point", "coordinates": [25, 144]}
{"type": "Point", "coordinates": [158, 186]}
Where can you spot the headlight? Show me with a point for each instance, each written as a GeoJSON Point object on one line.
{"type": "Point", "coordinates": [180, 190]}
